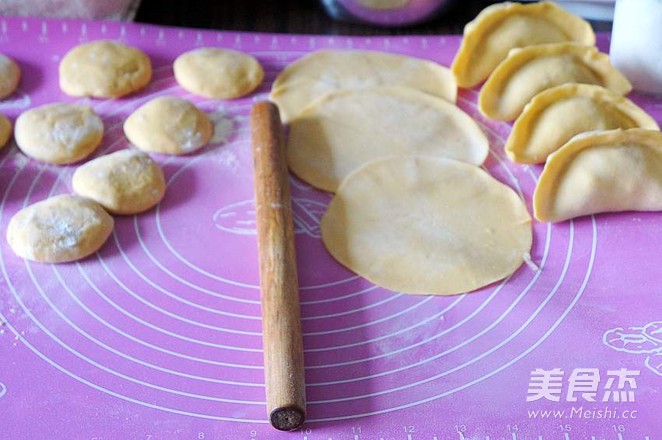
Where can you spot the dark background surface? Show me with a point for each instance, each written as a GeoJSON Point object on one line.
{"type": "Point", "coordinates": [291, 16]}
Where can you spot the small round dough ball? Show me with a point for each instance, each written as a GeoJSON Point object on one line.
{"type": "Point", "coordinates": [59, 229]}
{"type": "Point", "coordinates": [104, 69]}
{"type": "Point", "coordinates": [5, 131]}
{"type": "Point", "coordinates": [59, 133]}
{"type": "Point", "coordinates": [10, 75]}
{"type": "Point", "coordinates": [168, 125]}
{"type": "Point", "coordinates": [124, 182]}
{"type": "Point", "coordinates": [218, 73]}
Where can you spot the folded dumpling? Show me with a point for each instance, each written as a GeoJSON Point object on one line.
{"type": "Point", "coordinates": [530, 70]}
{"type": "Point", "coordinates": [346, 129]}
{"type": "Point", "coordinates": [555, 115]}
{"type": "Point", "coordinates": [504, 26]}
{"type": "Point", "coordinates": [607, 171]}
{"type": "Point", "coordinates": [314, 75]}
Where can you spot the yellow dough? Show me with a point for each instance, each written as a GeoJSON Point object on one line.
{"type": "Point", "coordinates": [314, 75]}
{"type": "Point", "coordinates": [10, 75]}
{"type": "Point", "coordinates": [530, 70]}
{"type": "Point", "coordinates": [5, 130]}
{"type": "Point", "coordinates": [609, 171]}
{"type": "Point", "coordinates": [104, 69]}
{"type": "Point", "coordinates": [427, 226]}
{"type": "Point", "coordinates": [59, 229]}
{"type": "Point", "coordinates": [218, 73]}
{"type": "Point", "coordinates": [124, 182]}
{"type": "Point", "coordinates": [504, 26]}
{"type": "Point", "coordinates": [555, 115]}
{"type": "Point", "coordinates": [59, 133]}
{"type": "Point", "coordinates": [168, 125]}
{"type": "Point", "coordinates": [344, 130]}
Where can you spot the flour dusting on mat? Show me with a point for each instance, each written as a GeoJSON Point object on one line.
{"type": "Point", "coordinates": [223, 126]}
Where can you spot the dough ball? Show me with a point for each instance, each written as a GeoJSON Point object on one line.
{"type": "Point", "coordinates": [218, 73]}
{"type": "Point", "coordinates": [5, 130]}
{"type": "Point", "coordinates": [10, 75]}
{"type": "Point", "coordinates": [168, 125]}
{"type": "Point", "coordinates": [427, 226]}
{"type": "Point", "coordinates": [59, 133]}
{"type": "Point", "coordinates": [59, 229]}
{"type": "Point", "coordinates": [125, 182]}
{"type": "Point", "coordinates": [104, 69]}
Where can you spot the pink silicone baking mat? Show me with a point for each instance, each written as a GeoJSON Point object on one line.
{"type": "Point", "coordinates": [157, 336]}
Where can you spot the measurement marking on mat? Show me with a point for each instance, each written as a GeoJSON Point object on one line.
{"type": "Point", "coordinates": [514, 435]}
{"type": "Point", "coordinates": [567, 436]}
{"type": "Point", "coordinates": [620, 436]}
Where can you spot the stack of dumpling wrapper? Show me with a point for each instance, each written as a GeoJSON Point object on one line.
{"type": "Point", "coordinates": [382, 132]}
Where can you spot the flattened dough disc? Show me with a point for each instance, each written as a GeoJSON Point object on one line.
{"type": "Point", "coordinates": [427, 226]}
{"type": "Point", "coordinates": [347, 129]}
{"type": "Point", "coordinates": [326, 71]}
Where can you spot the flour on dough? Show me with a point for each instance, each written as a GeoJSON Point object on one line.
{"type": "Point", "coordinates": [168, 125]}
{"type": "Point", "coordinates": [104, 69]}
{"type": "Point", "coordinates": [59, 133]}
{"type": "Point", "coordinates": [124, 182]}
{"type": "Point", "coordinates": [59, 229]}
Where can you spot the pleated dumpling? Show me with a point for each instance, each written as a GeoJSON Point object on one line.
{"type": "Point", "coordinates": [325, 71]}
{"type": "Point", "coordinates": [504, 26]}
{"type": "Point", "coordinates": [556, 115]}
{"type": "Point", "coordinates": [607, 171]}
{"type": "Point", "coordinates": [347, 129]}
{"type": "Point", "coordinates": [530, 70]}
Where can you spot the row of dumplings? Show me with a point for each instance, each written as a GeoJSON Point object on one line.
{"type": "Point", "coordinates": [542, 70]}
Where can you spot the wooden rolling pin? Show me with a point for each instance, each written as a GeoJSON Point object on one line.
{"type": "Point", "coordinates": [279, 289]}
